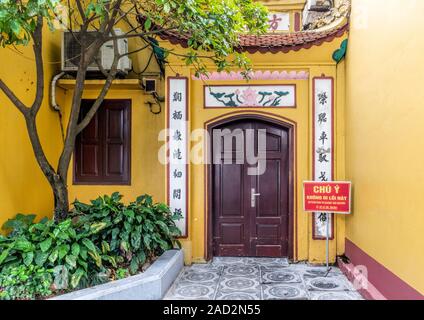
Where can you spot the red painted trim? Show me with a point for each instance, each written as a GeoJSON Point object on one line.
{"type": "Point", "coordinates": [185, 236]}
{"type": "Point", "coordinates": [314, 237]}
{"type": "Point", "coordinates": [364, 287]}
{"type": "Point", "coordinates": [249, 85]}
{"type": "Point", "coordinates": [297, 21]}
{"type": "Point", "coordinates": [385, 283]}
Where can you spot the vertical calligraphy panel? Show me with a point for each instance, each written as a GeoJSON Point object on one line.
{"type": "Point", "coordinates": [177, 147]}
{"type": "Point", "coordinates": [323, 147]}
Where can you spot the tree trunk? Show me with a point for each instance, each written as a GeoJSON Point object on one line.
{"type": "Point", "coordinates": [61, 199]}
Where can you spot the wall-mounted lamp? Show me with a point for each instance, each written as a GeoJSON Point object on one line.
{"type": "Point", "coordinates": [149, 85]}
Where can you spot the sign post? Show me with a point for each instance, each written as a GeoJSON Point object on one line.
{"type": "Point", "coordinates": [329, 197]}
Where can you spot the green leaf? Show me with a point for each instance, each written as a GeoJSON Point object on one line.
{"type": "Point", "coordinates": [115, 233]}
{"type": "Point", "coordinates": [28, 258]}
{"type": "Point", "coordinates": [83, 264]}
{"type": "Point", "coordinates": [89, 244]}
{"type": "Point", "coordinates": [166, 7]}
{"type": "Point", "coordinates": [53, 256]}
{"type": "Point", "coordinates": [83, 253]}
{"type": "Point", "coordinates": [147, 240]}
{"type": "Point", "coordinates": [41, 258]}
{"type": "Point", "coordinates": [46, 244]}
{"type": "Point", "coordinates": [136, 240]}
{"type": "Point", "coordinates": [4, 255]}
{"type": "Point", "coordinates": [124, 246]}
{"type": "Point", "coordinates": [23, 245]}
{"type": "Point", "coordinates": [163, 226]}
{"type": "Point", "coordinates": [76, 277]}
{"type": "Point", "coordinates": [111, 260]}
{"type": "Point", "coordinates": [63, 250]}
{"type": "Point", "coordinates": [71, 260]}
{"type": "Point", "coordinates": [15, 26]}
{"type": "Point", "coordinates": [97, 227]}
{"type": "Point", "coordinates": [61, 277]}
{"type": "Point", "coordinates": [147, 24]}
{"type": "Point", "coordinates": [105, 247]}
{"type": "Point", "coordinates": [141, 257]}
{"type": "Point", "coordinates": [75, 249]}
{"type": "Point", "coordinates": [96, 257]}
{"type": "Point", "coordinates": [134, 266]}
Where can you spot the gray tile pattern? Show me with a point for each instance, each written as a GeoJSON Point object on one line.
{"type": "Point", "coordinates": [260, 279]}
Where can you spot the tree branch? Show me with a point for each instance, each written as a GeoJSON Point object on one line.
{"type": "Point", "coordinates": [111, 76]}
{"type": "Point", "coordinates": [38, 53]}
{"type": "Point", "coordinates": [13, 98]}
{"type": "Point", "coordinates": [81, 10]}
{"type": "Point", "coordinates": [38, 149]}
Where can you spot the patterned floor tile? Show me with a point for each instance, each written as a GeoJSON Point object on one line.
{"type": "Point", "coordinates": [316, 272]}
{"type": "Point", "coordinates": [339, 295]}
{"type": "Point", "coordinates": [201, 275]}
{"type": "Point", "coordinates": [239, 270]}
{"type": "Point", "coordinates": [279, 275]}
{"type": "Point", "coordinates": [230, 284]}
{"type": "Point", "coordinates": [191, 292]}
{"type": "Point", "coordinates": [328, 284]}
{"type": "Point", "coordinates": [238, 295]}
{"type": "Point", "coordinates": [284, 292]}
{"type": "Point", "coordinates": [269, 262]}
{"type": "Point", "coordinates": [226, 261]}
{"type": "Point", "coordinates": [260, 279]}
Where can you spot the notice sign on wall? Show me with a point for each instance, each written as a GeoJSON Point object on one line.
{"type": "Point", "coordinates": [330, 197]}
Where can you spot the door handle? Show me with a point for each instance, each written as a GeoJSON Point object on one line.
{"type": "Point", "coordinates": [253, 196]}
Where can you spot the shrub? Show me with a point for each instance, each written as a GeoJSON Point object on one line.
{"type": "Point", "coordinates": [96, 244]}
{"type": "Point", "coordinates": [25, 282]}
{"type": "Point", "coordinates": [129, 234]}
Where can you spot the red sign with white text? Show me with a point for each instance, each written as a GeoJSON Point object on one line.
{"type": "Point", "coordinates": [330, 197]}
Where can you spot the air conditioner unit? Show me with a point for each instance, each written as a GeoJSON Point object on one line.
{"type": "Point", "coordinates": [71, 51]}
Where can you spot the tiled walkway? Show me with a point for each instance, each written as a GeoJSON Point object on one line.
{"type": "Point", "coordinates": [260, 279]}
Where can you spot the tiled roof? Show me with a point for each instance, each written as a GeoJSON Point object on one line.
{"type": "Point", "coordinates": [273, 42]}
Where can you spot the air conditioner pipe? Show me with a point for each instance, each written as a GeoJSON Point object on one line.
{"type": "Point", "coordinates": [53, 102]}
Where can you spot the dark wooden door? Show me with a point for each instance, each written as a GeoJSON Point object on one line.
{"type": "Point", "coordinates": [250, 211]}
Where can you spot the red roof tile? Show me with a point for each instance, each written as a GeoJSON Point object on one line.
{"type": "Point", "coordinates": [273, 42]}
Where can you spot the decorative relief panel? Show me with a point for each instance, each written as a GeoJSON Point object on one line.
{"type": "Point", "coordinates": [276, 96]}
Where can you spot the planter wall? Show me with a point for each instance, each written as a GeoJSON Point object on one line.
{"type": "Point", "coordinates": [150, 285]}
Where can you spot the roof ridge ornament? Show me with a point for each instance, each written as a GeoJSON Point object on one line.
{"type": "Point", "coordinates": [331, 18]}
{"type": "Point", "coordinates": [340, 53]}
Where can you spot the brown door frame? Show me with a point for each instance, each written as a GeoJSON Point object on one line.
{"type": "Point", "coordinates": [291, 127]}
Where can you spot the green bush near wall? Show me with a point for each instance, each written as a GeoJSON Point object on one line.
{"type": "Point", "coordinates": [99, 242]}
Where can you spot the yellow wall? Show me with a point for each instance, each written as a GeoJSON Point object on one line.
{"type": "Point", "coordinates": [23, 187]}
{"type": "Point", "coordinates": [316, 61]}
{"type": "Point", "coordinates": [385, 145]}
{"type": "Point", "coordinates": [22, 179]}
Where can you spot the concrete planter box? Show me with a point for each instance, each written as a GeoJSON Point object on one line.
{"type": "Point", "coordinates": [150, 285]}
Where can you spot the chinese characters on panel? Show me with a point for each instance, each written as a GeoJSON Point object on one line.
{"type": "Point", "coordinates": [177, 146]}
{"type": "Point", "coordinates": [323, 147]}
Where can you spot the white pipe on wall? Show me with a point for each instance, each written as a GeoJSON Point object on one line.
{"type": "Point", "coordinates": [53, 102]}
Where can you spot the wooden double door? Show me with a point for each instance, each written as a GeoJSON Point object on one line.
{"type": "Point", "coordinates": [250, 211]}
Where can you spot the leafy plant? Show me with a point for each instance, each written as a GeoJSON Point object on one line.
{"type": "Point", "coordinates": [101, 241]}
{"type": "Point", "coordinates": [130, 234]}
{"type": "Point", "coordinates": [25, 282]}
{"type": "Point", "coordinates": [51, 245]}
{"type": "Point", "coordinates": [121, 273]}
